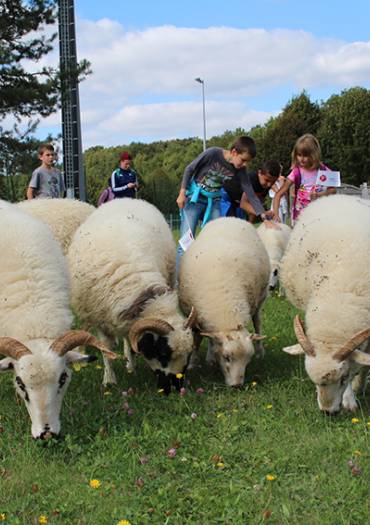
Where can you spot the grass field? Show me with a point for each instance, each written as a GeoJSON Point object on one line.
{"type": "Point", "coordinates": [264, 454]}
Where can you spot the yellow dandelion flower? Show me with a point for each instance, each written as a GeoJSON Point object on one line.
{"type": "Point", "coordinates": [355, 420]}
{"type": "Point", "coordinates": [357, 453]}
{"type": "Point", "coordinates": [254, 383]}
{"type": "Point", "coordinates": [271, 477]}
{"type": "Point", "coordinates": [107, 393]}
{"type": "Point", "coordinates": [274, 338]}
{"type": "Point", "coordinates": [368, 423]}
{"type": "Point", "coordinates": [94, 483]}
{"type": "Point", "coordinates": [269, 407]}
{"type": "Point", "coordinates": [179, 376]}
{"type": "Point", "coordinates": [2, 516]}
{"type": "Point", "coordinates": [160, 391]}
{"type": "Point", "coordinates": [43, 519]}
{"type": "Point", "coordinates": [77, 367]}
{"type": "Point", "coordinates": [220, 465]}
{"type": "Point", "coordinates": [98, 367]}
{"type": "Point", "coordinates": [124, 522]}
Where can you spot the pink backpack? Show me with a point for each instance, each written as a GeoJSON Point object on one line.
{"type": "Point", "coordinates": [105, 196]}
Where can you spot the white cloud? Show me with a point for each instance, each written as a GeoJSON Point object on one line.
{"type": "Point", "coordinates": [142, 86]}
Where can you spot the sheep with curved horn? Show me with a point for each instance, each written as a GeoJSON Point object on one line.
{"type": "Point", "coordinates": [326, 272]}
{"type": "Point", "coordinates": [35, 318]}
{"type": "Point", "coordinates": [122, 264]}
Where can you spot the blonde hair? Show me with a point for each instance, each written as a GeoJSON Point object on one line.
{"type": "Point", "coordinates": [309, 146]}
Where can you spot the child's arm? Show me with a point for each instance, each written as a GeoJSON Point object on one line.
{"type": "Point", "coordinates": [276, 201]}
{"type": "Point", "coordinates": [31, 193]}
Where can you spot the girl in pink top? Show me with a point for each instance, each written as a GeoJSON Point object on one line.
{"type": "Point", "coordinates": [305, 165]}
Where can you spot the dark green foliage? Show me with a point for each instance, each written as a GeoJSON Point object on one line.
{"type": "Point", "coordinates": [345, 134]}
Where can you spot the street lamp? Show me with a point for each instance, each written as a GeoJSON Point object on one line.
{"type": "Point", "coordinates": [201, 81]}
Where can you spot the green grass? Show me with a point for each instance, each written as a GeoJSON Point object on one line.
{"type": "Point", "coordinates": [306, 451]}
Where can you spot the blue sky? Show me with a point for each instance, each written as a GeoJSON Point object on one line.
{"type": "Point", "coordinates": [253, 57]}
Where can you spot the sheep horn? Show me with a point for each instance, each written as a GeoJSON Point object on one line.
{"type": "Point", "coordinates": [352, 344]}
{"type": "Point", "coordinates": [151, 325]}
{"type": "Point", "coordinates": [191, 320]}
{"type": "Point", "coordinates": [302, 338]}
{"type": "Point", "coordinates": [73, 338]}
{"type": "Point", "coordinates": [12, 348]}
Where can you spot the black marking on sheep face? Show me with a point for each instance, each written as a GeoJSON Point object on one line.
{"type": "Point", "coordinates": [155, 347]}
{"type": "Point", "coordinates": [167, 381]}
{"type": "Point", "coordinates": [22, 387]}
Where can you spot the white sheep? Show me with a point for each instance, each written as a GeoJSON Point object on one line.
{"type": "Point", "coordinates": [122, 264]}
{"type": "Point", "coordinates": [35, 318]}
{"type": "Point", "coordinates": [326, 272]}
{"type": "Point", "coordinates": [225, 274]}
{"type": "Point", "coordinates": [275, 238]}
{"type": "Point", "coordinates": [63, 216]}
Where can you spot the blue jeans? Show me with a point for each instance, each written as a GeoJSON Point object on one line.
{"type": "Point", "coordinates": [190, 215]}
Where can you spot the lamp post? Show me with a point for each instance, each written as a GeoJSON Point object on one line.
{"type": "Point", "coordinates": [201, 81]}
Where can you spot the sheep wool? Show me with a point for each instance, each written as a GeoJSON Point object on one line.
{"type": "Point", "coordinates": [63, 216]}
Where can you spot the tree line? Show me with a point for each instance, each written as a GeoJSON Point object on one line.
{"type": "Point", "coordinates": [341, 124]}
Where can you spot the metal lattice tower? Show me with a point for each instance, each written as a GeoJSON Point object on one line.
{"type": "Point", "coordinates": [71, 124]}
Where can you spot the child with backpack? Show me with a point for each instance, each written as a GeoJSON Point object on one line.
{"type": "Point", "coordinates": [306, 163]}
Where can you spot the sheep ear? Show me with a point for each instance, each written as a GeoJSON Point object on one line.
{"type": "Point", "coordinates": [360, 358]}
{"type": "Point", "coordinates": [6, 364]}
{"type": "Point", "coordinates": [293, 350]}
{"type": "Point", "coordinates": [77, 357]}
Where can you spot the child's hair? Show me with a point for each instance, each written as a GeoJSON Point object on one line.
{"type": "Point", "coordinates": [45, 147]}
{"type": "Point", "coordinates": [309, 146]}
{"type": "Point", "coordinates": [245, 144]}
{"type": "Point", "coordinates": [272, 167]}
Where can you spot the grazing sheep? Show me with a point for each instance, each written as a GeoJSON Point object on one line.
{"type": "Point", "coordinates": [35, 318]}
{"type": "Point", "coordinates": [122, 264]}
{"type": "Point", "coordinates": [63, 216]}
{"type": "Point", "coordinates": [224, 274]}
{"type": "Point", "coordinates": [275, 238]}
{"type": "Point", "coordinates": [326, 272]}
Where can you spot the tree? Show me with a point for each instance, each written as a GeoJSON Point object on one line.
{"type": "Point", "coordinates": [345, 136]}
{"type": "Point", "coordinates": [27, 90]}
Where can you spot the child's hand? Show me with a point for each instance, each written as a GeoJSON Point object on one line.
{"type": "Point", "coordinates": [314, 195]}
{"type": "Point", "coordinates": [181, 199]}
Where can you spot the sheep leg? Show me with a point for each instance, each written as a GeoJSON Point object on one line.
{"type": "Point", "coordinates": [109, 375]}
{"type": "Point", "coordinates": [349, 400]}
{"type": "Point", "coordinates": [360, 380]}
{"type": "Point", "coordinates": [210, 357]}
{"type": "Point", "coordinates": [130, 364]}
{"type": "Point", "coordinates": [260, 351]}
{"type": "Point", "coordinates": [194, 358]}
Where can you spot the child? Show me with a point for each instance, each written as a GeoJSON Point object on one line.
{"type": "Point", "coordinates": [283, 207]}
{"type": "Point", "coordinates": [46, 181]}
{"type": "Point", "coordinates": [305, 163]}
{"type": "Point", "coordinates": [235, 203]}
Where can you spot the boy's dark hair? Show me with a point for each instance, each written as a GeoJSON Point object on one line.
{"type": "Point", "coordinates": [272, 167]}
{"type": "Point", "coordinates": [45, 147]}
{"type": "Point", "coordinates": [245, 144]}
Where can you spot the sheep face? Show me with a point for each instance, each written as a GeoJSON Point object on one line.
{"type": "Point", "coordinates": [41, 380]}
{"type": "Point", "coordinates": [274, 277]}
{"type": "Point", "coordinates": [233, 351]}
{"type": "Point", "coordinates": [167, 355]}
{"type": "Point", "coordinates": [331, 378]}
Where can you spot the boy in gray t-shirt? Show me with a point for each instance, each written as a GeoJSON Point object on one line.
{"type": "Point", "coordinates": [46, 182]}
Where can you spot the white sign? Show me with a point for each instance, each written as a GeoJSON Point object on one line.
{"type": "Point", "coordinates": [186, 240]}
{"type": "Point", "coordinates": [328, 178]}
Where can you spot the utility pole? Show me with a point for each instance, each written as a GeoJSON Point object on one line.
{"type": "Point", "coordinates": [71, 124]}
